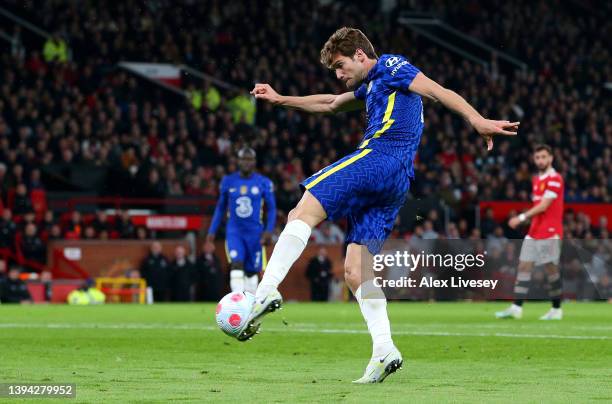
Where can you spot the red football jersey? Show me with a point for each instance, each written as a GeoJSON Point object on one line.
{"type": "Point", "coordinates": [550, 222]}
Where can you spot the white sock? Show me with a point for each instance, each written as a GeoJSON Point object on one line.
{"type": "Point", "coordinates": [373, 305]}
{"type": "Point", "coordinates": [250, 283]}
{"type": "Point", "coordinates": [290, 245]}
{"type": "Point", "coordinates": [237, 280]}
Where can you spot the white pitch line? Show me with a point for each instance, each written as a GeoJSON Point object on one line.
{"type": "Point", "coordinates": [494, 324]}
{"type": "Point", "coordinates": [141, 326]}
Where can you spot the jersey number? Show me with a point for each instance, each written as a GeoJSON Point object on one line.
{"type": "Point", "coordinates": [245, 207]}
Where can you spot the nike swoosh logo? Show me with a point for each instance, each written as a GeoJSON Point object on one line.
{"type": "Point", "coordinates": [383, 359]}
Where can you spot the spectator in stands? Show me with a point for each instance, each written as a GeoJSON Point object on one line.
{"type": "Point", "coordinates": [22, 203]}
{"type": "Point", "coordinates": [416, 241]}
{"type": "Point", "coordinates": [124, 226]}
{"type": "Point", "coordinates": [602, 225]}
{"type": "Point", "coordinates": [155, 269]}
{"type": "Point", "coordinates": [142, 233]}
{"type": "Point", "coordinates": [434, 217]}
{"type": "Point", "coordinates": [55, 233]}
{"type": "Point", "coordinates": [55, 49]}
{"type": "Point", "coordinates": [89, 233]}
{"type": "Point", "coordinates": [16, 176]}
{"type": "Point", "coordinates": [3, 176]}
{"type": "Point", "coordinates": [32, 247]}
{"type": "Point", "coordinates": [488, 223]}
{"type": "Point", "coordinates": [208, 274]}
{"type": "Point", "coordinates": [328, 233]}
{"type": "Point", "coordinates": [156, 188]}
{"type": "Point", "coordinates": [287, 196]}
{"type": "Point", "coordinates": [8, 230]}
{"type": "Point", "coordinates": [453, 232]}
{"type": "Point", "coordinates": [100, 223]}
{"type": "Point", "coordinates": [35, 182]}
{"type": "Point", "coordinates": [27, 218]}
{"type": "Point", "coordinates": [74, 229]}
{"type": "Point", "coordinates": [428, 231]}
{"type": "Point", "coordinates": [3, 276]}
{"type": "Point", "coordinates": [319, 274]}
{"type": "Point", "coordinates": [181, 276]}
{"type": "Point", "coordinates": [14, 290]}
{"type": "Point", "coordinates": [212, 96]}
{"type": "Point", "coordinates": [496, 240]}
{"type": "Point", "coordinates": [48, 221]}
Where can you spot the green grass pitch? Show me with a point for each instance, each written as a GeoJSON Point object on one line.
{"type": "Point", "coordinates": [453, 352]}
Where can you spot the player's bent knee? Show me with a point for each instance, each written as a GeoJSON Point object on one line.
{"type": "Point", "coordinates": [308, 210]}
{"type": "Point", "coordinates": [293, 214]}
{"type": "Point", "coordinates": [352, 276]}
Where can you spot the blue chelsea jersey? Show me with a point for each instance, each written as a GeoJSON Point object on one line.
{"type": "Point", "coordinates": [244, 199]}
{"type": "Point", "coordinates": [394, 114]}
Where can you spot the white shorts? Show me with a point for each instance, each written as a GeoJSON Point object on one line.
{"type": "Point", "coordinates": [541, 252]}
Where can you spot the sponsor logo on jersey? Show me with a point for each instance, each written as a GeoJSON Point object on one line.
{"type": "Point", "coordinates": [244, 207]}
{"type": "Point", "coordinates": [391, 61]}
{"type": "Point", "coordinates": [232, 189]}
{"type": "Point", "coordinates": [396, 68]}
{"type": "Point", "coordinates": [243, 190]}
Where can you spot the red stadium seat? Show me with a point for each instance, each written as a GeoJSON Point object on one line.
{"type": "Point", "coordinates": [10, 198]}
{"type": "Point", "coordinates": [39, 202]}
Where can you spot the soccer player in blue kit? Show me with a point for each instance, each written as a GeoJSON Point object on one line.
{"type": "Point", "coordinates": [368, 186]}
{"type": "Point", "coordinates": [245, 193]}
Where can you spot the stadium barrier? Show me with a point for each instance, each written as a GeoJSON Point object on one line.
{"type": "Point", "coordinates": [59, 289]}
{"type": "Point", "coordinates": [105, 258]}
{"type": "Point", "coordinates": [116, 258]}
{"type": "Point", "coordinates": [502, 209]}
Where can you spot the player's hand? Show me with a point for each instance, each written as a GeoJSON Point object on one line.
{"type": "Point", "coordinates": [210, 241]}
{"type": "Point", "coordinates": [265, 92]}
{"type": "Point", "coordinates": [266, 238]}
{"type": "Point", "coordinates": [487, 128]}
{"type": "Point", "coordinates": [514, 222]}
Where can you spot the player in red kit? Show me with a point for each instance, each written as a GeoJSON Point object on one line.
{"type": "Point", "coordinates": [542, 245]}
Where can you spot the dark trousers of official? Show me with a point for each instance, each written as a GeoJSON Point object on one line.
{"type": "Point", "coordinates": [319, 291]}
{"type": "Point", "coordinates": [160, 295]}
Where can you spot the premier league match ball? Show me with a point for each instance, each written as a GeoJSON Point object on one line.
{"type": "Point", "coordinates": [233, 310]}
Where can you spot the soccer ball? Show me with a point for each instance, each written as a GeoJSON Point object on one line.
{"type": "Point", "coordinates": [233, 310]}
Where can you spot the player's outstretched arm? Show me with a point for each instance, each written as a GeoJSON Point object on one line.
{"type": "Point", "coordinates": [220, 211]}
{"type": "Point", "coordinates": [534, 211]}
{"type": "Point", "coordinates": [487, 128]}
{"type": "Point", "coordinates": [316, 104]}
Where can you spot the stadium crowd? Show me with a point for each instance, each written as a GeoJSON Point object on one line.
{"type": "Point", "coordinates": [85, 111]}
